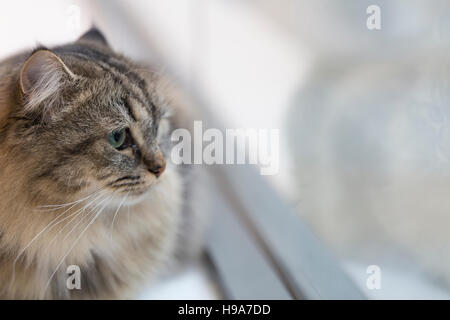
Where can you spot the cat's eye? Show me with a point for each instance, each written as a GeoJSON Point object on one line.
{"type": "Point", "coordinates": [117, 138]}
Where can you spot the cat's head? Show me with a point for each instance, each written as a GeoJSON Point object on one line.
{"type": "Point", "coordinates": [87, 119]}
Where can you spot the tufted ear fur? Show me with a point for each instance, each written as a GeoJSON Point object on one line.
{"type": "Point", "coordinates": [41, 78]}
{"type": "Point", "coordinates": [94, 35]}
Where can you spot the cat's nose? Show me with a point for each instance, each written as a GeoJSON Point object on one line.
{"type": "Point", "coordinates": [156, 163]}
{"type": "Point", "coordinates": [158, 169]}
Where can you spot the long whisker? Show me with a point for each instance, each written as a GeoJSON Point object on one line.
{"type": "Point", "coordinates": [115, 214]}
{"type": "Point", "coordinates": [49, 226]}
{"type": "Point", "coordinates": [59, 206]}
{"type": "Point", "coordinates": [73, 245]}
{"type": "Point", "coordinates": [77, 214]}
{"type": "Point", "coordinates": [85, 216]}
{"type": "Point", "coordinates": [128, 208]}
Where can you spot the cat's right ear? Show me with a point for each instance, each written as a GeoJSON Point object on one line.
{"type": "Point", "coordinates": [94, 35]}
{"type": "Point", "coordinates": [41, 78]}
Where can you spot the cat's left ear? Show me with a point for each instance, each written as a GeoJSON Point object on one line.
{"type": "Point", "coordinates": [94, 35]}
{"type": "Point", "coordinates": [42, 77]}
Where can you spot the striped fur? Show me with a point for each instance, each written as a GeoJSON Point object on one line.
{"type": "Point", "coordinates": [54, 119]}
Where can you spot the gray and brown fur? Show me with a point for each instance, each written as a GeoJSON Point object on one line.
{"type": "Point", "coordinates": [54, 120]}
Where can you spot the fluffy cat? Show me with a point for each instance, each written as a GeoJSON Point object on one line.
{"type": "Point", "coordinates": [85, 176]}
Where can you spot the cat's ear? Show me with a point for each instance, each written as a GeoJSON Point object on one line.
{"type": "Point", "coordinates": [94, 35]}
{"type": "Point", "coordinates": [41, 77]}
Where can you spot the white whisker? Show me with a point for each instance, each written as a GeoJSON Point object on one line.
{"type": "Point", "coordinates": [63, 205]}
{"type": "Point", "coordinates": [115, 214]}
{"type": "Point", "coordinates": [48, 227]}
{"type": "Point", "coordinates": [128, 207]}
{"type": "Point", "coordinates": [51, 223]}
{"type": "Point", "coordinates": [84, 216]}
{"type": "Point", "coordinates": [73, 245]}
{"type": "Point", "coordinates": [77, 214]}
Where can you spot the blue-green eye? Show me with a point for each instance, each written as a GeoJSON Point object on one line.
{"type": "Point", "coordinates": [117, 138]}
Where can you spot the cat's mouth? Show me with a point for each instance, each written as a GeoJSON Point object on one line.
{"type": "Point", "coordinates": [133, 188]}
{"type": "Point", "coordinates": [127, 189]}
{"type": "Point", "coordinates": [133, 185]}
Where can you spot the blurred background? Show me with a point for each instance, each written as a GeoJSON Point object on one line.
{"type": "Point", "coordinates": [363, 113]}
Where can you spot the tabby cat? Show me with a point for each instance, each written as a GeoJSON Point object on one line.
{"type": "Point", "coordinates": [85, 178]}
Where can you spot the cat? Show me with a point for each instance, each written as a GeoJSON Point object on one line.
{"type": "Point", "coordinates": [85, 176]}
